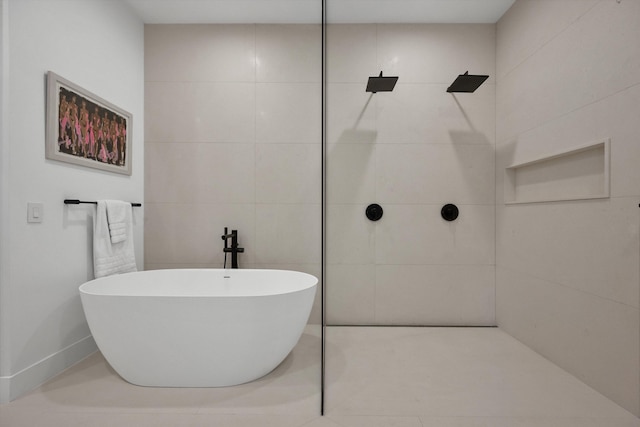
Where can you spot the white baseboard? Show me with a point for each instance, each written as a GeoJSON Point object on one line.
{"type": "Point", "coordinates": [18, 384]}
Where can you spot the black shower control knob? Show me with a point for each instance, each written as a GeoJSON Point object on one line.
{"type": "Point", "coordinates": [449, 212]}
{"type": "Point", "coordinates": [374, 212]}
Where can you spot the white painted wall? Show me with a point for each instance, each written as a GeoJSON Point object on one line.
{"type": "Point", "coordinates": [568, 286]}
{"type": "Point", "coordinates": [99, 45]}
{"type": "Point", "coordinates": [4, 193]}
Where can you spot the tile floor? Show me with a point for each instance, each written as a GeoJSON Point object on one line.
{"type": "Point", "coordinates": [376, 377]}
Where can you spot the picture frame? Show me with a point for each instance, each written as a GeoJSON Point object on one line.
{"type": "Point", "coordinates": [84, 129]}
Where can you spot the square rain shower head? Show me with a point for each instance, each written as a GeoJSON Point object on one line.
{"type": "Point", "coordinates": [381, 84]}
{"type": "Point", "coordinates": [467, 83]}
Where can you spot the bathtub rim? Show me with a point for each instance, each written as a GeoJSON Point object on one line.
{"type": "Point", "coordinates": [308, 281]}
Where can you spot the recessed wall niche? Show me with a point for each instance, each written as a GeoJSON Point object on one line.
{"type": "Point", "coordinates": [576, 174]}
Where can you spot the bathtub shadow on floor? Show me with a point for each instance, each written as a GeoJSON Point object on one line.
{"type": "Point", "coordinates": [92, 384]}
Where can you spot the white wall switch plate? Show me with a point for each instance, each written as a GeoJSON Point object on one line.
{"type": "Point", "coordinates": [35, 212]}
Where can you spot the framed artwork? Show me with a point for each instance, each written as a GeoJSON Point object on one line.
{"type": "Point", "coordinates": [86, 130]}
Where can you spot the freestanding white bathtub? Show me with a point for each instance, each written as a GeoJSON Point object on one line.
{"type": "Point", "coordinates": [200, 327]}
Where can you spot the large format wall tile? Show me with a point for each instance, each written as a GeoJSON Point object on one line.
{"type": "Point", "coordinates": [350, 235]}
{"type": "Point", "coordinates": [567, 271]}
{"type": "Point", "coordinates": [612, 118]}
{"type": "Point", "coordinates": [435, 294]}
{"type": "Point", "coordinates": [288, 173]}
{"type": "Point", "coordinates": [200, 173]}
{"type": "Point", "coordinates": [411, 150]}
{"type": "Point", "coordinates": [596, 339]}
{"type": "Point", "coordinates": [190, 233]}
{"type": "Point", "coordinates": [351, 114]}
{"type": "Point", "coordinates": [526, 27]}
{"type": "Point", "coordinates": [288, 232]}
{"type": "Point", "coordinates": [249, 145]}
{"type": "Point", "coordinates": [620, 113]}
{"type": "Point", "coordinates": [200, 112]}
{"type": "Point", "coordinates": [367, 294]}
{"type": "Point", "coordinates": [435, 53]}
{"type": "Point", "coordinates": [351, 173]}
{"type": "Point", "coordinates": [233, 139]}
{"type": "Point", "coordinates": [577, 244]}
{"type": "Point", "coordinates": [288, 112]}
{"type": "Point", "coordinates": [289, 53]}
{"type": "Point", "coordinates": [417, 234]}
{"type": "Point", "coordinates": [199, 53]}
{"type": "Point", "coordinates": [427, 113]}
{"type": "Point", "coordinates": [351, 294]}
{"type": "Point", "coordinates": [351, 53]}
{"type": "Point", "coordinates": [591, 70]}
{"type": "Point", "coordinates": [432, 173]}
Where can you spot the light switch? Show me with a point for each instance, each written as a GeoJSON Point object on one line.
{"type": "Point", "coordinates": [35, 212]}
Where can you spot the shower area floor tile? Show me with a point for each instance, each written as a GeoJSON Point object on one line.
{"type": "Point", "coordinates": [375, 377]}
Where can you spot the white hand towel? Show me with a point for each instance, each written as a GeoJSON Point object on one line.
{"type": "Point", "coordinates": [108, 257]}
{"type": "Point", "coordinates": [118, 232]}
{"type": "Point", "coordinates": [118, 216]}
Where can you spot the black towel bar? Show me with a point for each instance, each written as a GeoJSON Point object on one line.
{"type": "Point", "coordinates": [77, 202]}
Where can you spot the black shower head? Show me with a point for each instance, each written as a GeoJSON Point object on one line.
{"type": "Point", "coordinates": [381, 84]}
{"type": "Point", "coordinates": [467, 83]}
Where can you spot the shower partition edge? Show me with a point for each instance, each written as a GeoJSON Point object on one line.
{"type": "Point", "coordinates": [323, 145]}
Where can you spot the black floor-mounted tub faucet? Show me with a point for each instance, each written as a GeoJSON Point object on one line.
{"type": "Point", "coordinates": [234, 249]}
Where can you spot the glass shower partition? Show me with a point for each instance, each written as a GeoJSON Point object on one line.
{"type": "Point", "coordinates": [233, 139]}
